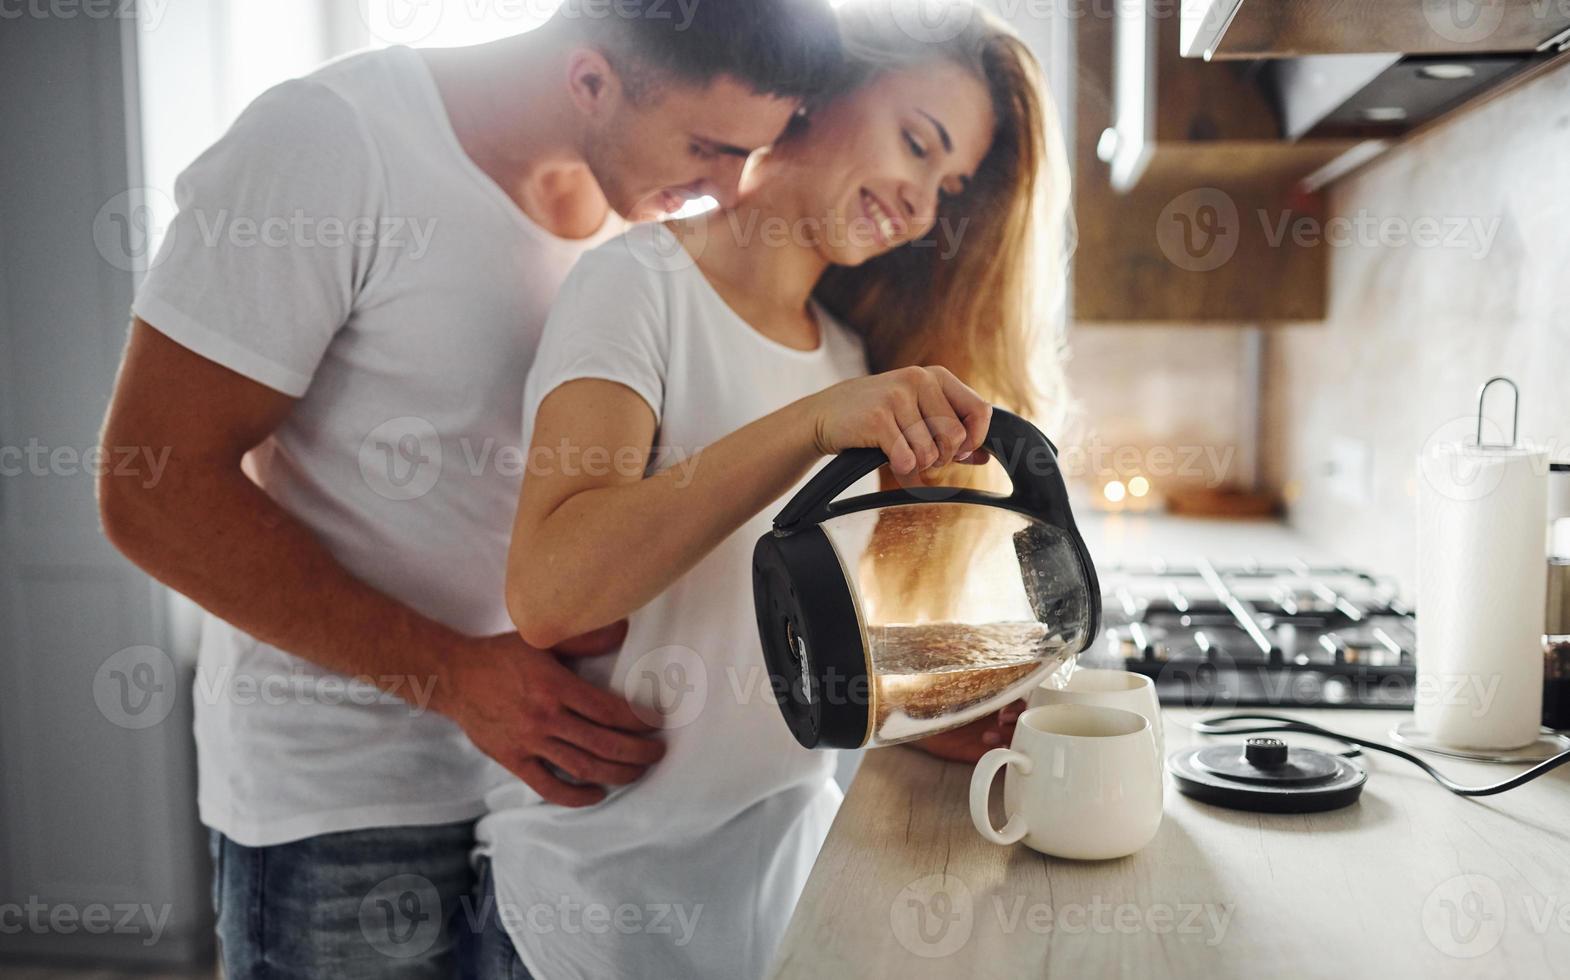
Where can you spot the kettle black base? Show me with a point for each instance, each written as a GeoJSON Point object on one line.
{"type": "Point", "coordinates": [1266, 776]}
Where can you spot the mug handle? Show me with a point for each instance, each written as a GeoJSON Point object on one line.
{"type": "Point", "coordinates": [981, 788]}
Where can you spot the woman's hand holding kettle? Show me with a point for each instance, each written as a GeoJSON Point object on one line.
{"type": "Point", "coordinates": [921, 417]}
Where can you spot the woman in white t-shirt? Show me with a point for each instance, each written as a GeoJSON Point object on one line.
{"type": "Point", "coordinates": [894, 226]}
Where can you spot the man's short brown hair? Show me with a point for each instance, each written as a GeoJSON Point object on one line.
{"type": "Point", "coordinates": [787, 48]}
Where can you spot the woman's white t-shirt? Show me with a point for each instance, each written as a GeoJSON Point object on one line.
{"type": "Point", "coordinates": [693, 870]}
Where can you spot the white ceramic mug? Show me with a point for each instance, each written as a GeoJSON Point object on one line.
{"type": "Point", "coordinates": [1083, 781]}
{"type": "Point", "coordinates": [1109, 689]}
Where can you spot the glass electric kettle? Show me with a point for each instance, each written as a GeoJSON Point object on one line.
{"type": "Point", "coordinates": [894, 615]}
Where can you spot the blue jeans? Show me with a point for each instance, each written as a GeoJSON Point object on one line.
{"type": "Point", "coordinates": [492, 957]}
{"type": "Point", "coordinates": [381, 902]}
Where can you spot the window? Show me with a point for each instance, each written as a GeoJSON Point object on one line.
{"type": "Point", "coordinates": [200, 64]}
{"type": "Point", "coordinates": [439, 24]}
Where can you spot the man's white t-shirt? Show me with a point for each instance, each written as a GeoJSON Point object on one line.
{"type": "Point", "coordinates": [693, 870]}
{"type": "Point", "coordinates": [339, 246]}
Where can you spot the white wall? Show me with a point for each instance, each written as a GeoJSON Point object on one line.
{"type": "Point", "coordinates": [1412, 330]}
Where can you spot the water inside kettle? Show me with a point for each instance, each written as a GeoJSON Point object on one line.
{"type": "Point", "coordinates": [933, 604]}
{"type": "Point", "coordinates": [934, 676]}
{"type": "Point", "coordinates": [965, 608]}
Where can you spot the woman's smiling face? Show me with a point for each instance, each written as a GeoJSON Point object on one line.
{"type": "Point", "coordinates": [876, 162]}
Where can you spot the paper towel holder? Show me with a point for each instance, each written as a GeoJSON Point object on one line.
{"type": "Point", "coordinates": [1515, 413]}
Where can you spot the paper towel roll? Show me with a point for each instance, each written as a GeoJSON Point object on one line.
{"type": "Point", "coordinates": [1480, 585]}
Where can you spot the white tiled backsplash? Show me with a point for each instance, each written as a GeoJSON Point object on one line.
{"type": "Point", "coordinates": [1162, 401]}
{"type": "Point", "coordinates": [1412, 331]}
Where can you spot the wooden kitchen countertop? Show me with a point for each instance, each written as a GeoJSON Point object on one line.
{"type": "Point", "coordinates": [1410, 881]}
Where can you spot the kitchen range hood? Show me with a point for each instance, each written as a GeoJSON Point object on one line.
{"type": "Point", "coordinates": [1303, 92]}
{"type": "Point", "coordinates": [1231, 29]}
{"type": "Point", "coordinates": [1379, 96]}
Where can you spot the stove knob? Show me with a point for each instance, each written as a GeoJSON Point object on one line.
{"type": "Point", "coordinates": [1337, 691]}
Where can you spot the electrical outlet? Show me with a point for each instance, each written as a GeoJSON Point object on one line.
{"type": "Point", "coordinates": [1351, 471]}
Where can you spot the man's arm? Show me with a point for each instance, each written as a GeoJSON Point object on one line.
{"type": "Point", "coordinates": [207, 531]}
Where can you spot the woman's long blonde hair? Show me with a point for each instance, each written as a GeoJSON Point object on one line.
{"type": "Point", "coordinates": [990, 310]}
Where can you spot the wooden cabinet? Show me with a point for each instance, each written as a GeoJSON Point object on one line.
{"type": "Point", "coordinates": [1176, 117]}
{"type": "Point", "coordinates": [1194, 177]}
{"type": "Point", "coordinates": [1180, 213]}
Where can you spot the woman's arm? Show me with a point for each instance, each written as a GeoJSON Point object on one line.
{"type": "Point", "coordinates": [594, 540]}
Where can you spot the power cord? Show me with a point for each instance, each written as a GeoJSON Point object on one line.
{"type": "Point", "coordinates": [1222, 725]}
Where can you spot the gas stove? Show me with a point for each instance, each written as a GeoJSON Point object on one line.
{"type": "Point", "coordinates": [1285, 634]}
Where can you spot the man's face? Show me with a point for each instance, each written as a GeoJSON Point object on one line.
{"type": "Point", "coordinates": [679, 142]}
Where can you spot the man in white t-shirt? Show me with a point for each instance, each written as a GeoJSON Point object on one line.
{"type": "Point", "coordinates": [332, 346]}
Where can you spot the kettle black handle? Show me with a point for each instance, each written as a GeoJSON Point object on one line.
{"type": "Point", "coordinates": [1027, 456]}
